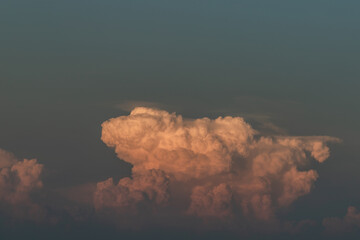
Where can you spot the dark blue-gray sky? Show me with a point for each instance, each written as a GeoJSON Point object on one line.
{"type": "Point", "coordinates": [67, 66]}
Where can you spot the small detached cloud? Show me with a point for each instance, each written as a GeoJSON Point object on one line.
{"type": "Point", "coordinates": [18, 179]}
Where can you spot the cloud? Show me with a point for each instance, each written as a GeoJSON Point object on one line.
{"type": "Point", "coordinates": [211, 201]}
{"type": "Point", "coordinates": [348, 223]}
{"type": "Point", "coordinates": [130, 105]}
{"type": "Point", "coordinates": [227, 164]}
{"type": "Point", "coordinates": [18, 179]}
{"type": "Point", "coordinates": [6, 159]}
{"type": "Point", "coordinates": [154, 139]}
{"type": "Point", "coordinates": [129, 193]}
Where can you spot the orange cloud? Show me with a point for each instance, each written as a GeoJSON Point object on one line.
{"type": "Point", "coordinates": [148, 187]}
{"type": "Point", "coordinates": [227, 163]}
{"type": "Point", "coordinates": [17, 180]}
{"type": "Point", "coordinates": [154, 139]}
{"type": "Point", "coordinates": [211, 201]}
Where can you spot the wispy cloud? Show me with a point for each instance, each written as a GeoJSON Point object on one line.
{"type": "Point", "coordinates": [130, 105]}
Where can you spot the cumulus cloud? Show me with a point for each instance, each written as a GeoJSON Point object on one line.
{"type": "Point", "coordinates": [18, 179]}
{"type": "Point", "coordinates": [348, 223]}
{"type": "Point", "coordinates": [154, 139]}
{"type": "Point", "coordinates": [129, 193]}
{"type": "Point", "coordinates": [227, 163]}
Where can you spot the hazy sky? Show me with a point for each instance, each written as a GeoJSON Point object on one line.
{"type": "Point", "coordinates": [286, 66]}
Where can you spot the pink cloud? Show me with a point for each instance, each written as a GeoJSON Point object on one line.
{"type": "Point", "coordinates": [18, 179]}
{"type": "Point", "coordinates": [128, 193]}
{"type": "Point", "coordinates": [227, 164]}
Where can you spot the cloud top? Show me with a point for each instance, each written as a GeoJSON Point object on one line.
{"type": "Point", "coordinates": [155, 139]}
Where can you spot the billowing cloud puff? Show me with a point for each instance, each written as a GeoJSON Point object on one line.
{"type": "Point", "coordinates": [228, 163]}
{"type": "Point", "coordinates": [17, 180]}
{"type": "Point", "coordinates": [350, 222]}
{"type": "Point", "coordinates": [154, 139]}
{"type": "Point", "coordinates": [148, 187]}
{"type": "Point", "coordinates": [6, 159]}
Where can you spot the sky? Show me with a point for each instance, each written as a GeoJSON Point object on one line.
{"type": "Point", "coordinates": [286, 69]}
